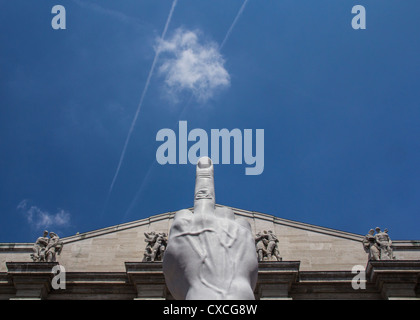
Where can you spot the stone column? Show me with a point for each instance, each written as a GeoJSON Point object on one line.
{"type": "Point", "coordinates": [148, 279]}
{"type": "Point", "coordinates": [275, 279]}
{"type": "Point", "coordinates": [32, 280]}
{"type": "Point", "coordinates": [395, 279]}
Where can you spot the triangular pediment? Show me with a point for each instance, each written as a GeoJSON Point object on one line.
{"type": "Point", "coordinates": [107, 249]}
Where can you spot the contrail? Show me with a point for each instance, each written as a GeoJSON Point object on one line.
{"type": "Point", "coordinates": [140, 190]}
{"type": "Point", "coordinates": [141, 99]}
{"type": "Point", "coordinates": [111, 13]}
{"type": "Point", "coordinates": [233, 24]}
{"type": "Point", "coordinates": [183, 111]}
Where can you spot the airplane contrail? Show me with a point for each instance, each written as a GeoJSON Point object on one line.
{"type": "Point", "coordinates": [141, 99]}
{"type": "Point", "coordinates": [140, 190]}
{"type": "Point", "coordinates": [146, 177]}
{"type": "Point", "coordinates": [233, 24]}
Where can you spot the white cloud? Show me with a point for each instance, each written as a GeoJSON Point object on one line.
{"type": "Point", "coordinates": [190, 65]}
{"type": "Point", "coordinates": [39, 218]}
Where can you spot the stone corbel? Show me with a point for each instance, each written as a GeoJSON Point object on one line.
{"type": "Point", "coordinates": [32, 280]}
{"type": "Point", "coordinates": [148, 279]}
{"type": "Point", "coordinates": [395, 279]}
{"type": "Point", "coordinates": [275, 279]}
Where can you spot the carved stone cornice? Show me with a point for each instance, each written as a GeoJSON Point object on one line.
{"type": "Point", "coordinates": [148, 279]}
{"type": "Point", "coordinates": [32, 280]}
{"type": "Point", "coordinates": [275, 279]}
{"type": "Point", "coordinates": [395, 279]}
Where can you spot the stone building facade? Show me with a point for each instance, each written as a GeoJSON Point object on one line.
{"type": "Point", "coordinates": [316, 263]}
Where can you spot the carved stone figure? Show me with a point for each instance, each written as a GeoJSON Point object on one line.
{"type": "Point", "coordinates": [378, 245]}
{"type": "Point", "coordinates": [46, 249]}
{"type": "Point", "coordinates": [261, 242]}
{"type": "Point", "coordinates": [267, 246]}
{"type": "Point", "coordinates": [273, 252]}
{"type": "Point", "coordinates": [39, 248]}
{"type": "Point", "coordinates": [156, 245]}
{"type": "Point", "coordinates": [370, 246]}
{"type": "Point", "coordinates": [53, 248]}
{"type": "Point", "coordinates": [390, 253]}
{"type": "Point", "coordinates": [150, 238]}
{"type": "Point", "coordinates": [384, 243]}
{"type": "Point", "coordinates": [210, 253]}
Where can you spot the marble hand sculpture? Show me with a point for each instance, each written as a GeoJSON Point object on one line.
{"type": "Point", "coordinates": [210, 254]}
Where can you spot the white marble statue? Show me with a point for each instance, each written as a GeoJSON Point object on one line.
{"type": "Point", "coordinates": [210, 254]}
{"type": "Point", "coordinates": [267, 246]}
{"type": "Point", "coordinates": [378, 245]}
{"type": "Point", "coordinates": [46, 249]}
{"type": "Point", "coordinates": [156, 245]}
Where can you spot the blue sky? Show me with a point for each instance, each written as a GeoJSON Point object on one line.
{"type": "Point", "coordinates": [340, 109]}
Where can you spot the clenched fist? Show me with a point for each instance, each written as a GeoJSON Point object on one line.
{"type": "Point", "coordinates": [210, 254]}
